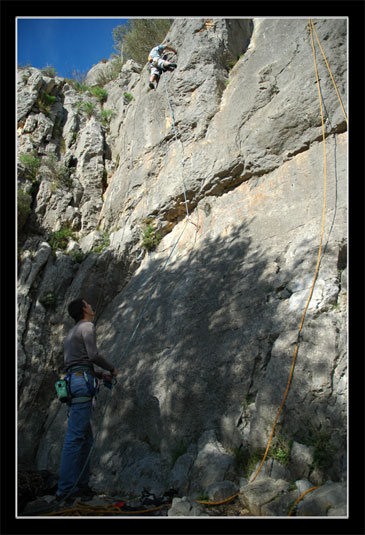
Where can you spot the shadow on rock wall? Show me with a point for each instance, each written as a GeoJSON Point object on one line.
{"type": "Point", "coordinates": [202, 352]}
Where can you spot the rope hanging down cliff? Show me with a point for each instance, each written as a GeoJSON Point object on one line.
{"type": "Point", "coordinates": [181, 147]}
{"type": "Point", "coordinates": [147, 302]}
{"type": "Point", "coordinates": [311, 27]}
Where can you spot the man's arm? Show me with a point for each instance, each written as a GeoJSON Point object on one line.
{"type": "Point", "coordinates": [170, 48]}
{"type": "Point", "coordinates": [89, 336]}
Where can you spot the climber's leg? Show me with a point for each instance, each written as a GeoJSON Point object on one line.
{"type": "Point", "coordinates": [155, 74]}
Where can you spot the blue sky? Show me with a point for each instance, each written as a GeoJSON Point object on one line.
{"type": "Point", "coordinates": [67, 44]}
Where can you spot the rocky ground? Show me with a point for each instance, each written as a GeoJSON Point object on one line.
{"type": "Point", "coordinates": [268, 495]}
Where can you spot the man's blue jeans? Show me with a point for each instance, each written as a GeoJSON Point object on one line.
{"type": "Point", "coordinates": [79, 439]}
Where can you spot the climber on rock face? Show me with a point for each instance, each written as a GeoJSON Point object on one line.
{"type": "Point", "coordinates": [158, 64]}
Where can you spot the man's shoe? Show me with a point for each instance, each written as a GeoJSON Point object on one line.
{"type": "Point", "coordinates": [151, 86]}
{"type": "Point", "coordinates": [61, 497]}
{"type": "Point", "coordinates": [86, 493]}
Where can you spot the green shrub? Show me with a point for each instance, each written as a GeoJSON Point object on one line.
{"type": "Point", "coordinates": [111, 73]}
{"type": "Point", "coordinates": [49, 70]}
{"type": "Point", "coordinates": [80, 87]}
{"type": "Point", "coordinates": [77, 256]}
{"type": "Point", "coordinates": [128, 96]}
{"type": "Point", "coordinates": [47, 99]}
{"type": "Point", "coordinates": [100, 93]}
{"type": "Point", "coordinates": [79, 107]}
{"type": "Point", "coordinates": [60, 238]}
{"type": "Point", "coordinates": [89, 109]}
{"type": "Point", "coordinates": [324, 451]}
{"type": "Point", "coordinates": [180, 450]}
{"type": "Point", "coordinates": [74, 136]}
{"type": "Point", "coordinates": [150, 237]}
{"type": "Point", "coordinates": [24, 202]}
{"type": "Point", "coordinates": [48, 300]}
{"type": "Point", "coordinates": [105, 243]}
{"type": "Point", "coordinates": [31, 163]}
{"type": "Point", "coordinates": [232, 62]}
{"type": "Point", "coordinates": [202, 497]}
{"type": "Point", "coordinates": [59, 173]}
{"type": "Point", "coordinates": [137, 37]}
{"type": "Point", "coordinates": [240, 456]}
{"type": "Point", "coordinates": [281, 451]}
{"type": "Point", "coordinates": [79, 76]}
{"type": "Point", "coordinates": [45, 102]}
{"type": "Point", "coordinates": [106, 116]}
{"type": "Point", "coordinates": [57, 128]}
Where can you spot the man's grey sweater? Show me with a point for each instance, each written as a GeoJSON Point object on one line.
{"type": "Point", "coordinates": [80, 348]}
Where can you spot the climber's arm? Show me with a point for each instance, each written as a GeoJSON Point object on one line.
{"type": "Point", "coordinates": [167, 47]}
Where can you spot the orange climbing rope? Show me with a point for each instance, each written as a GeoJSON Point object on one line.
{"type": "Point", "coordinates": [220, 502]}
{"type": "Point", "coordinates": [311, 25]}
{"type": "Point", "coordinates": [298, 500]}
{"type": "Point", "coordinates": [82, 509]}
{"type": "Point", "coordinates": [319, 249]}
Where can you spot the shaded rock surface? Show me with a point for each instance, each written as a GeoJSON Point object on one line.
{"type": "Point", "coordinates": [218, 302]}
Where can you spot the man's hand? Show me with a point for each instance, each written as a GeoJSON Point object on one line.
{"type": "Point", "coordinates": [108, 376]}
{"type": "Point", "coordinates": [170, 48]}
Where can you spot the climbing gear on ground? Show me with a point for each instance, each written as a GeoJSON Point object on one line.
{"type": "Point", "coordinates": [149, 504]}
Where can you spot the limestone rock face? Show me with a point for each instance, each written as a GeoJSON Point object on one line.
{"type": "Point", "coordinates": [203, 325]}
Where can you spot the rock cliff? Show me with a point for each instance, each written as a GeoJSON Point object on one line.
{"type": "Point", "coordinates": [200, 313]}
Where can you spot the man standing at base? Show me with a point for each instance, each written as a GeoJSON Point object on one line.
{"type": "Point", "coordinates": [80, 355]}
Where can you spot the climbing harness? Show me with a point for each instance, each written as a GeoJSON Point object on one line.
{"type": "Point", "coordinates": [63, 387]}
{"type": "Point", "coordinates": [319, 255]}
